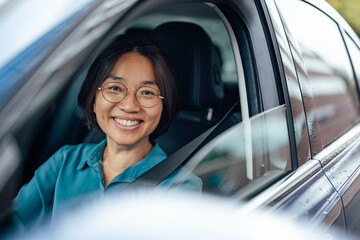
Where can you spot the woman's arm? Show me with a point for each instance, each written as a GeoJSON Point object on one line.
{"type": "Point", "coordinates": [34, 200]}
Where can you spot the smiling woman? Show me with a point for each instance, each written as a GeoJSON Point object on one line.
{"type": "Point", "coordinates": [105, 69]}
{"type": "Point", "coordinates": [130, 94]}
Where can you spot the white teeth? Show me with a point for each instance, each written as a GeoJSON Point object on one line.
{"type": "Point", "coordinates": [127, 123]}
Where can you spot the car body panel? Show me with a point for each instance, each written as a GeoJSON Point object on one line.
{"type": "Point", "coordinates": [339, 160]}
{"type": "Point", "coordinates": [318, 200]}
{"type": "Point", "coordinates": [341, 163]}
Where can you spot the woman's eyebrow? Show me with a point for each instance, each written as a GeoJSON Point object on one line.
{"type": "Point", "coordinates": [149, 82]}
{"type": "Point", "coordinates": [145, 82]}
{"type": "Point", "coordinates": [115, 77]}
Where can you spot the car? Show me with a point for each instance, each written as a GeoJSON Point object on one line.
{"type": "Point", "coordinates": [177, 215]}
{"type": "Point", "coordinates": [269, 93]}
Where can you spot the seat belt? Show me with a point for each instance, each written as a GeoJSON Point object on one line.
{"type": "Point", "coordinates": [162, 170]}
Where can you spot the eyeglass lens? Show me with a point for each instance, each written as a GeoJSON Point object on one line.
{"type": "Point", "coordinates": [116, 92]}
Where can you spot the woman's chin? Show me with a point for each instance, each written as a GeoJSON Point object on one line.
{"type": "Point", "coordinates": [127, 141]}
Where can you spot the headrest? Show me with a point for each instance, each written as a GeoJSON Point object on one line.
{"type": "Point", "coordinates": [137, 32]}
{"type": "Point", "coordinates": [196, 62]}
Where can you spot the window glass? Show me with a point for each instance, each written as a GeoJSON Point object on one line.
{"type": "Point", "coordinates": [247, 157]}
{"type": "Point", "coordinates": [328, 67]}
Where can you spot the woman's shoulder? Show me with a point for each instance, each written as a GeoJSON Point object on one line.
{"type": "Point", "coordinates": [82, 147]}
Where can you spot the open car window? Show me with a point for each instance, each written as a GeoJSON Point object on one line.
{"type": "Point", "coordinates": [194, 118]}
{"type": "Point", "coordinates": [60, 123]}
{"type": "Point", "coordinates": [246, 158]}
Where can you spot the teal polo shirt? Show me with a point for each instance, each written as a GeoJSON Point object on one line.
{"type": "Point", "coordinates": [75, 171]}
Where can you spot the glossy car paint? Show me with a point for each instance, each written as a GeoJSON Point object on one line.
{"type": "Point", "coordinates": [339, 160]}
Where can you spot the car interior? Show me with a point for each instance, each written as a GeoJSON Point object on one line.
{"type": "Point", "coordinates": [207, 84]}
{"type": "Point", "coordinates": [197, 41]}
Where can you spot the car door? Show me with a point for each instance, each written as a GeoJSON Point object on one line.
{"type": "Point", "coordinates": [267, 158]}
{"type": "Point", "coordinates": [330, 90]}
{"type": "Point", "coordinates": [350, 191]}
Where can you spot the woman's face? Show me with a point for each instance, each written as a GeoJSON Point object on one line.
{"type": "Point", "coordinates": [127, 123]}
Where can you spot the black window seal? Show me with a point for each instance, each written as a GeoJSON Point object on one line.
{"type": "Point", "coordinates": [279, 74]}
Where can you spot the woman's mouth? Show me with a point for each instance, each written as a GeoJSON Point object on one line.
{"type": "Point", "coordinates": [127, 123]}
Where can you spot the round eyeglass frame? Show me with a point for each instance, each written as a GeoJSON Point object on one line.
{"type": "Point", "coordinates": [126, 93]}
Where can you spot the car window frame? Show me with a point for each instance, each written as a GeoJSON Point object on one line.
{"type": "Point", "coordinates": [236, 44]}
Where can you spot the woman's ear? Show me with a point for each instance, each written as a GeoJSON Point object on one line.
{"type": "Point", "coordinates": [94, 106]}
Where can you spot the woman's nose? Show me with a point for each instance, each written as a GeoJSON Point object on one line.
{"type": "Point", "coordinates": [129, 103]}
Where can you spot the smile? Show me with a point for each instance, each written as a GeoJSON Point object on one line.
{"type": "Point", "coordinates": [127, 123]}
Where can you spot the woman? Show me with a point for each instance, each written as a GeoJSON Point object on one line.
{"type": "Point", "coordinates": [130, 94]}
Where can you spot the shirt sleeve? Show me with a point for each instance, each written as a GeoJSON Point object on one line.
{"type": "Point", "coordinates": [35, 199]}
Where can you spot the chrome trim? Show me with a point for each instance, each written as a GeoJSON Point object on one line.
{"type": "Point", "coordinates": [284, 186]}
{"type": "Point", "coordinates": [351, 188]}
{"type": "Point", "coordinates": [305, 194]}
{"type": "Point", "coordinates": [339, 145]}
{"type": "Point", "coordinates": [341, 164]}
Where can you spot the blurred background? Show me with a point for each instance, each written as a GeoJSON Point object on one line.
{"type": "Point", "coordinates": [350, 10]}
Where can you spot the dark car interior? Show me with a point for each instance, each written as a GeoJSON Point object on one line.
{"type": "Point", "coordinates": [205, 97]}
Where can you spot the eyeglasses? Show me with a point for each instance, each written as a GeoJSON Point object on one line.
{"type": "Point", "coordinates": [115, 92]}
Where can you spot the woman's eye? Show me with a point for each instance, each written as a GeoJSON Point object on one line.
{"type": "Point", "coordinates": [115, 88]}
{"type": "Point", "coordinates": [147, 93]}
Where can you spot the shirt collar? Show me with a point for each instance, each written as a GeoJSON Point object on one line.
{"type": "Point", "coordinates": [130, 174]}
{"type": "Point", "coordinates": [94, 156]}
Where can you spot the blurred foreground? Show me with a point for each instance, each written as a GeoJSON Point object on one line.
{"type": "Point", "coordinates": [173, 216]}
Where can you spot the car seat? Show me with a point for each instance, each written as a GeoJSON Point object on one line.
{"type": "Point", "coordinates": [197, 64]}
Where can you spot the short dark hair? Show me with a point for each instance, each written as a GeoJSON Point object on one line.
{"type": "Point", "coordinates": [106, 60]}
